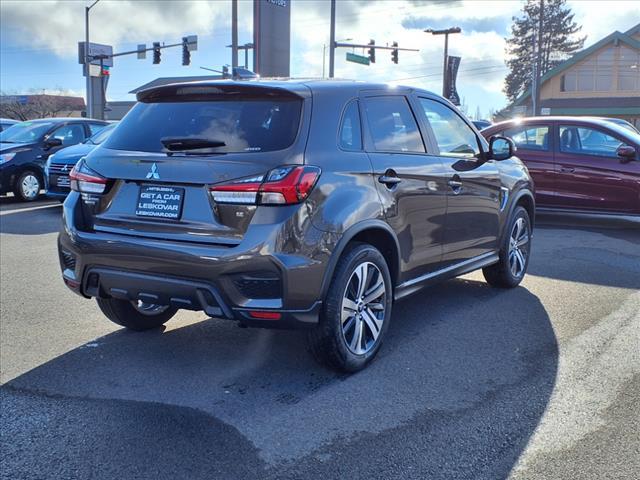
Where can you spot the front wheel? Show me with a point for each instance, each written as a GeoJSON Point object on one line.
{"type": "Point", "coordinates": [514, 254]}
{"type": "Point", "coordinates": [356, 313]}
{"type": "Point", "coordinates": [137, 316]}
{"type": "Point", "coordinates": [27, 187]}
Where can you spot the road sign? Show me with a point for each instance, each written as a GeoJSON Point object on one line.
{"type": "Point", "coordinates": [142, 51]}
{"type": "Point", "coordinates": [96, 50]}
{"type": "Point", "coordinates": [94, 70]}
{"type": "Point", "coordinates": [361, 59]}
{"type": "Point", "coordinates": [192, 42]}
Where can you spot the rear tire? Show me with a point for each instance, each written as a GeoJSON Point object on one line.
{"type": "Point", "coordinates": [356, 313]}
{"type": "Point", "coordinates": [514, 254]}
{"type": "Point", "coordinates": [138, 318]}
{"type": "Point", "coordinates": [27, 187]}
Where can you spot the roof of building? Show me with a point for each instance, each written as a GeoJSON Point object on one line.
{"type": "Point", "coordinates": [625, 37]}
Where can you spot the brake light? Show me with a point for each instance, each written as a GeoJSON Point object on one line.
{"type": "Point", "coordinates": [286, 185]}
{"type": "Point", "coordinates": [85, 180]}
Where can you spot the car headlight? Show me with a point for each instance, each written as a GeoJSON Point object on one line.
{"type": "Point", "coordinates": [5, 157]}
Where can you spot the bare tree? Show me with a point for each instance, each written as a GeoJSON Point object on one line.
{"type": "Point", "coordinates": [38, 105]}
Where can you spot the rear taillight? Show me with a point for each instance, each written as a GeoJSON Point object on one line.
{"type": "Point", "coordinates": [85, 180]}
{"type": "Point", "coordinates": [281, 186]}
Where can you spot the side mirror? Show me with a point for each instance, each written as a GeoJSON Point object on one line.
{"type": "Point", "coordinates": [52, 142]}
{"type": "Point", "coordinates": [626, 153]}
{"type": "Point", "coordinates": [501, 148]}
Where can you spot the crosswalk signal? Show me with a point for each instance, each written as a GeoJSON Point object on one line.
{"type": "Point", "coordinates": [156, 53]}
{"type": "Point", "coordinates": [372, 51]}
{"type": "Point", "coordinates": [394, 53]}
{"type": "Point", "coordinates": [186, 54]}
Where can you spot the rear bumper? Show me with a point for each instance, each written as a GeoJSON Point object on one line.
{"type": "Point", "coordinates": [219, 280]}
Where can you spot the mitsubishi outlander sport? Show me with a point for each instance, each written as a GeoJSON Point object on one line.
{"type": "Point", "coordinates": [291, 204]}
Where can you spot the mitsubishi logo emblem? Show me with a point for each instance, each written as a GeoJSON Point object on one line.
{"type": "Point", "coordinates": [65, 168]}
{"type": "Point", "coordinates": [153, 173]}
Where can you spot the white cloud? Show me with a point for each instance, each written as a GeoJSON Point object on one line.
{"type": "Point", "coordinates": [59, 25]}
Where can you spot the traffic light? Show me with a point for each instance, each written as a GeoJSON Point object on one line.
{"type": "Point", "coordinates": [394, 53]}
{"type": "Point", "coordinates": [156, 53]}
{"type": "Point", "coordinates": [225, 71]}
{"type": "Point", "coordinates": [186, 54]}
{"type": "Point", "coordinates": [372, 51]}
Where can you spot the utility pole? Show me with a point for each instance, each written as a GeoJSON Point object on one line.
{"type": "Point", "coordinates": [86, 59]}
{"type": "Point", "coordinates": [536, 96]}
{"type": "Point", "coordinates": [234, 33]}
{"type": "Point", "coordinates": [332, 40]}
{"type": "Point", "coordinates": [446, 33]}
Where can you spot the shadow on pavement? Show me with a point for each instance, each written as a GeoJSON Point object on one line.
{"type": "Point", "coordinates": [32, 219]}
{"type": "Point", "coordinates": [457, 390]}
{"type": "Point", "coordinates": [598, 251]}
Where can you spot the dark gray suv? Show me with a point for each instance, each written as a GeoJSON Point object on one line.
{"type": "Point", "coordinates": [287, 204]}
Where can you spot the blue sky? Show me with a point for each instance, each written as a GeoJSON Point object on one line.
{"type": "Point", "coordinates": [38, 40]}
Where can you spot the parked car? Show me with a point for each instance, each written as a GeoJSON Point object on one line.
{"type": "Point", "coordinates": [6, 123]}
{"type": "Point", "coordinates": [578, 163]}
{"type": "Point", "coordinates": [291, 204]}
{"type": "Point", "coordinates": [60, 164]}
{"type": "Point", "coordinates": [480, 124]}
{"type": "Point", "coordinates": [622, 123]}
{"type": "Point", "coordinates": [25, 147]}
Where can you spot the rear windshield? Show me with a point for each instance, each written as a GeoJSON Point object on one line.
{"type": "Point", "coordinates": [244, 125]}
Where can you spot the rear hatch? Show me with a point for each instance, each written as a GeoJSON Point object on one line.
{"type": "Point", "coordinates": [177, 142]}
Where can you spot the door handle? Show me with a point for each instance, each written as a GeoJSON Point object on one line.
{"type": "Point", "coordinates": [454, 183]}
{"type": "Point", "coordinates": [388, 180]}
{"type": "Point", "coordinates": [567, 170]}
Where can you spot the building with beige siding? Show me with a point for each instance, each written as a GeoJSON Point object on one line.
{"type": "Point", "coordinates": [601, 80]}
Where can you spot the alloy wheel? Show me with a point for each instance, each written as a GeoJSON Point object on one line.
{"type": "Point", "coordinates": [363, 308]}
{"type": "Point", "coordinates": [518, 247]}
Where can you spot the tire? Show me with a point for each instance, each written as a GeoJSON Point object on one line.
{"type": "Point", "coordinates": [351, 347]}
{"type": "Point", "coordinates": [514, 256]}
{"type": "Point", "coordinates": [27, 186]}
{"type": "Point", "coordinates": [133, 317]}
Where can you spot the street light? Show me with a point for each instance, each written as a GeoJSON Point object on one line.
{"type": "Point", "coordinates": [86, 58]}
{"type": "Point", "coordinates": [324, 54]}
{"type": "Point", "coordinates": [446, 33]}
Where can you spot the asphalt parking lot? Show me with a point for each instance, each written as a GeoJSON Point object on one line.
{"type": "Point", "coordinates": [542, 381]}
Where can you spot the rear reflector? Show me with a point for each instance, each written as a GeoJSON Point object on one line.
{"type": "Point", "coordinates": [286, 185]}
{"type": "Point", "coordinates": [265, 315]}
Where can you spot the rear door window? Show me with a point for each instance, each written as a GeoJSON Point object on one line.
{"type": "Point", "coordinates": [242, 125]}
{"type": "Point", "coordinates": [392, 125]}
{"type": "Point", "coordinates": [530, 137]}
{"type": "Point", "coordinates": [95, 128]}
{"type": "Point", "coordinates": [350, 130]}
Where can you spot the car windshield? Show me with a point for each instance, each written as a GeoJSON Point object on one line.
{"type": "Point", "coordinates": [101, 136]}
{"type": "Point", "coordinates": [254, 124]}
{"type": "Point", "coordinates": [25, 132]}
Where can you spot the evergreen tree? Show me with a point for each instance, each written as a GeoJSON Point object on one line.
{"type": "Point", "coordinates": [559, 42]}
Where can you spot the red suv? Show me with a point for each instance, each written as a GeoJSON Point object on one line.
{"type": "Point", "coordinates": [578, 163]}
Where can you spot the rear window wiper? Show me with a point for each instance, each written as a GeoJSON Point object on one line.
{"type": "Point", "coordinates": [182, 144]}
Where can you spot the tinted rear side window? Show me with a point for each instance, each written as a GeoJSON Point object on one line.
{"type": "Point", "coordinates": [244, 125]}
{"type": "Point", "coordinates": [392, 124]}
{"type": "Point", "coordinates": [350, 131]}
